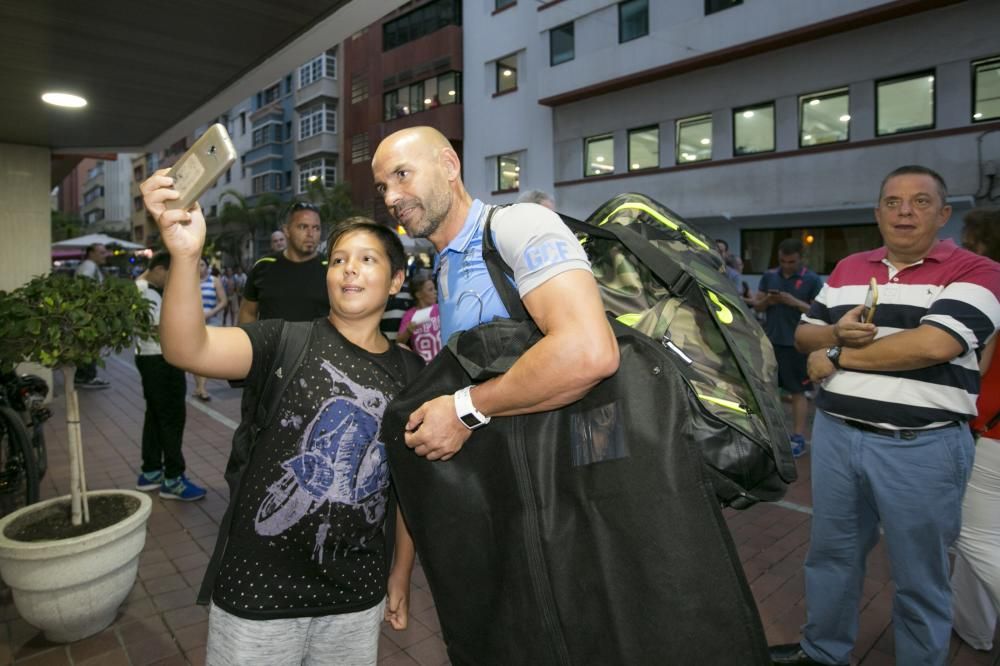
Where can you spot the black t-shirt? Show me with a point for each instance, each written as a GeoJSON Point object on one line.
{"type": "Point", "coordinates": [307, 534]}
{"type": "Point", "coordinates": [288, 290]}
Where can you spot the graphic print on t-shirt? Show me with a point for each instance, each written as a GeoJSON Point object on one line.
{"type": "Point", "coordinates": [340, 461]}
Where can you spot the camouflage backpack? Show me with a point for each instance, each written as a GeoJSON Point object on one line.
{"type": "Point", "coordinates": [663, 277]}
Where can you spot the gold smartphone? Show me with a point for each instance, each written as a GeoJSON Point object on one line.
{"type": "Point", "coordinates": [871, 300]}
{"type": "Point", "coordinates": [201, 166]}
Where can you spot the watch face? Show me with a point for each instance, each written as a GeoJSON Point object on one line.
{"type": "Point", "coordinates": [470, 421]}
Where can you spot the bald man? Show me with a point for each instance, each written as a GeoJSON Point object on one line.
{"type": "Point", "coordinates": [417, 173]}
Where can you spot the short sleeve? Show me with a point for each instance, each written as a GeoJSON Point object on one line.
{"type": "Point", "coordinates": [968, 307]}
{"type": "Point", "coordinates": [250, 286]}
{"type": "Point", "coordinates": [818, 313]}
{"type": "Point", "coordinates": [264, 338]}
{"type": "Point", "coordinates": [405, 320]}
{"type": "Point", "coordinates": [536, 244]}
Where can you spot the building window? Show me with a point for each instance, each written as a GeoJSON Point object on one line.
{"type": "Point", "coordinates": [643, 148]}
{"type": "Point", "coordinates": [986, 88]}
{"type": "Point", "coordinates": [270, 133]}
{"type": "Point", "coordinates": [507, 73]}
{"type": "Point", "coordinates": [319, 67]}
{"type": "Point", "coordinates": [753, 129]}
{"type": "Point", "coordinates": [243, 123]}
{"type": "Point", "coordinates": [694, 139]}
{"type": "Point", "coordinates": [824, 117]}
{"type": "Point", "coordinates": [561, 44]}
{"type": "Point", "coordinates": [633, 20]}
{"type": "Point", "coordinates": [824, 246]}
{"type": "Point", "coordinates": [137, 204]}
{"type": "Point", "coordinates": [360, 148]}
{"type": "Point", "coordinates": [94, 216]}
{"type": "Point", "coordinates": [272, 94]}
{"type": "Point", "coordinates": [712, 6]}
{"type": "Point", "coordinates": [93, 194]}
{"type": "Point", "coordinates": [323, 171]}
{"type": "Point", "coordinates": [905, 104]}
{"type": "Point", "coordinates": [599, 155]}
{"type": "Point", "coordinates": [503, 4]}
{"type": "Point", "coordinates": [422, 95]}
{"type": "Point", "coordinates": [312, 121]}
{"type": "Point", "coordinates": [420, 22]}
{"type": "Point", "coordinates": [359, 88]}
{"type": "Point", "coordinates": [268, 182]}
{"type": "Point", "coordinates": [508, 173]}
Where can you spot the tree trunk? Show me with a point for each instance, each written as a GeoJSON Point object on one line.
{"type": "Point", "coordinates": [79, 510]}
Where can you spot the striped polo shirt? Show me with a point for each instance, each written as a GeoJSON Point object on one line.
{"type": "Point", "coordinates": [951, 288]}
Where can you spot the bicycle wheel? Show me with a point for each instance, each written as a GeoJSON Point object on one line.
{"type": "Point", "coordinates": [18, 471]}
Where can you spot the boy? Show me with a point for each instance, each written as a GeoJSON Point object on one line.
{"type": "Point", "coordinates": [300, 575]}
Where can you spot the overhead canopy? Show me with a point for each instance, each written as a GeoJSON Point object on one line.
{"type": "Point", "coordinates": [90, 239]}
{"type": "Point", "coordinates": [153, 74]}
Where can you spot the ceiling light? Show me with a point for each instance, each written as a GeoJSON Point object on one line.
{"type": "Point", "coordinates": [844, 118]}
{"type": "Point", "coordinates": [748, 114]}
{"type": "Point", "coordinates": [507, 72]}
{"type": "Point", "coordinates": [64, 99]}
{"type": "Point", "coordinates": [451, 93]}
{"type": "Point", "coordinates": [813, 102]}
{"type": "Point", "coordinates": [427, 101]}
{"type": "Point", "coordinates": [705, 141]}
{"type": "Point", "coordinates": [600, 158]}
{"type": "Point", "coordinates": [635, 165]}
{"type": "Point", "coordinates": [313, 179]}
{"type": "Point", "coordinates": [517, 168]}
{"type": "Point", "coordinates": [930, 79]}
{"type": "Point", "coordinates": [807, 137]}
{"type": "Point", "coordinates": [977, 115]}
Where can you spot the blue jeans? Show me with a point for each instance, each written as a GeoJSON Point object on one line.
{"type": "Point", "coordinates": [914, 488]}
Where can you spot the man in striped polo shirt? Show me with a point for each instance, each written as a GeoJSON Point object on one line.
{"type": "Point", "coordinates": [890, 444]}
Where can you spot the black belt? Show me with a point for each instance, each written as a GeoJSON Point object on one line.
{"type": "Point", "coordinates": [886, 432]}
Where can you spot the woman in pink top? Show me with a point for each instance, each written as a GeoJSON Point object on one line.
{"type": "Point", "coordinates": [420, 327]}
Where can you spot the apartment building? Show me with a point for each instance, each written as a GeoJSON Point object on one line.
{"type": "Point", "coordinates": [757, 120]}
{"type": "Point", "coordinates": [405, 70]}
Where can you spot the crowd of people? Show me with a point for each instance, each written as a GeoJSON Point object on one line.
{"type": "Point", "coordinates": [891, 449]}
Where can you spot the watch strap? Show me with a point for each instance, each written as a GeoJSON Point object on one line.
{"type": "Point", "coordinates": [467, 413]}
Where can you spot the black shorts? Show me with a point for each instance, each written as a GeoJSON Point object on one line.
{"type": "Point", "coordinates": [793, 376]}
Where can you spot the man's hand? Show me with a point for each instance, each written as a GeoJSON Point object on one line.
{"type": "Point", "coordinates": [182, 232]}
{"type": "Point", "coordinates": [850, 331]}
{"type": "Point", "coordinates": [819, 366]}
{"type": "Point", "coordinates": [434, 430]}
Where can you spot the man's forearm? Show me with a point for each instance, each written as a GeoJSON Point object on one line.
{"type": "Point", "coordinates": [550, 375]}
{"type": "Point", "coordinates": [913, 349]}
{"type": "Point", "coordinates": [810, 337]}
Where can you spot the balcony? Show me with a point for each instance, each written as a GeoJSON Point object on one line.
{"type": "Point", "coordinates": [322, 143]}
{"type": "Point", "coordinates": [323, 87]}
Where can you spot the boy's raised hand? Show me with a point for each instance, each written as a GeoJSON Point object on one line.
{"type": "Point", "coordinates": [182, 231]}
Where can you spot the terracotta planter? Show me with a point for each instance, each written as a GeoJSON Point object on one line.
{"type": "Point", "coordinates": [72, 588]}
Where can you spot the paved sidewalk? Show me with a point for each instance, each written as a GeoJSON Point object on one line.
{"type": "Point", "coordinates": [160, 623]}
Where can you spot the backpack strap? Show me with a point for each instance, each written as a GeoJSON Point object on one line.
{"type": "Point", "coordinates": [292, 346]}
{"type": "Point", "coordinates": [501, 273]}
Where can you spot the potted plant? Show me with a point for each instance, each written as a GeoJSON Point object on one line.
{"type": "Point", "coordinates": [71, 561]}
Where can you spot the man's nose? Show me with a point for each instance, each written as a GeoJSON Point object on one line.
{"type": "Point", "coordinates": [905, 208]}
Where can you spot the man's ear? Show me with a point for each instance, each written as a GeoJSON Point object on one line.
{"type": "Point", "coordinates": [397, 283]}
{"type": "Point", "coordinates": [452, 165]}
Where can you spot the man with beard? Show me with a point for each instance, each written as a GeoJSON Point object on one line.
{"type": "Point", "coordinates": [290, 284]}
{"type": "Point", "coordinates": [417, 173]}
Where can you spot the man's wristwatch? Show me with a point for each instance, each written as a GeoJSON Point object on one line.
{"type": "Point", "coordinates": [833, 353]}
{"type": "Point", "coordinates": [467, 413]}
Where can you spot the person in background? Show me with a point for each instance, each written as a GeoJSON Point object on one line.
{"type": "Point", "coordinates": [420, 327]}
{"type": "Point", "coordinates": [290, 284]}
{"type": "Point", "coordinates": [213, 302]}
{"type": "Point", "coordinates": [734, 274]}
{"type": "Point", "coordinates": [538, 197]}
{"type": "Point", "coordinates": [891, 448]}
{"type": "Point", "coordinates": [163, 388]}
{"type": "Point", "coordinates": [975, 580]}
{"type": "Point", "coordinates": [229, 286]}
{"type": "Point", "coordinates": [90, 268]}
{"type": "Point", "coordinates": [278, 240]}
{"type": "Point", "coordinates": [784, 294]}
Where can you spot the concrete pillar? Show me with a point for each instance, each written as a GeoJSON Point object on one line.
{"type": "Point", "coordinates": [25, 220]}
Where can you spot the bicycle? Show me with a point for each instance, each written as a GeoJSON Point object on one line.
{"type": "Point", "coordinates": [23, 457]}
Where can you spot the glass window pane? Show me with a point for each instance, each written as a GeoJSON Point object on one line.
{"type": "Point", "coordinates": [643, 148]}
{"type": "Point", "coordinates": [507, 73]}
{"type": "Point", "coordinates": [501, 4]}
{"type": "Point", "coordinates": [417, 97]}
{"type": "Point", "coordinates": [694, 139]}
{"type": "Point", "coordinates": [905, 105]}
{"type": "Point", "coordinates": [987, 90]}
{"type": "Point", "coordinates": [824, 118]}
{"type": "Point", "coordinates": [508, 173]}
{"type": "Point", "coordinates": [561, 44]}
{"type": "Point", "coordinates": [448, 88]}
{"type": "Point", "coordinates": [599, 155]}
{"type": "Point", "coordinates": [633, 20]}
{"type": "Point", "coordinates": [431, 98]}
{"type": "Point", "coordinates": [712, 6]}
{"type": "Point", "coordinates": [753, 130]}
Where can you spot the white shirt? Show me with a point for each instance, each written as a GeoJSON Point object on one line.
{"type": "Point", "coordinates": [149, 346]}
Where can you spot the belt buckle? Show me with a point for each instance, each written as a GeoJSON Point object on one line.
{"type": "Point", "coordinates": [908, 435]}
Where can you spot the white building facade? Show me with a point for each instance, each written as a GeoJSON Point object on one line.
{"type": "Point", "coordinates": [757, 120]}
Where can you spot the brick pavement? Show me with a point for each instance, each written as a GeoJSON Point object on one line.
{"type": "Point", "coordinates": [160, 623]}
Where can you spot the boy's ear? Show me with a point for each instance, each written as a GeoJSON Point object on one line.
{"type": "Point", "coordinates": [397, 283]}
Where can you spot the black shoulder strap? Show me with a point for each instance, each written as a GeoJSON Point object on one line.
{"type": "Point", "coordinates": [292, 348]}
{"type": "Point", "coordinates": [500, 271]}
